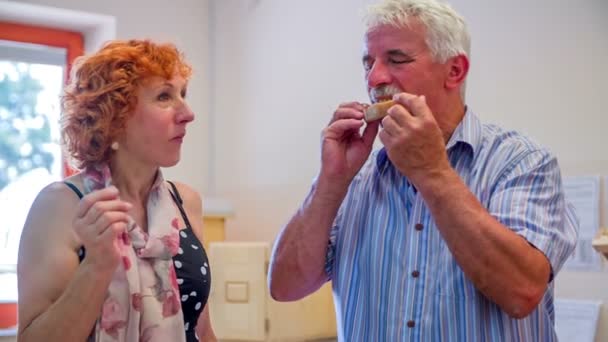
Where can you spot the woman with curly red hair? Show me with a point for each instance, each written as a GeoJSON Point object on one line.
{"type": "Point", "coordinates": [110, 253]}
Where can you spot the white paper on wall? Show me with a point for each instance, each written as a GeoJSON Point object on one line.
{"type": "Point", "coordinates": [576, 320]}
{"type": "Point", "coordinates": [584, 193]}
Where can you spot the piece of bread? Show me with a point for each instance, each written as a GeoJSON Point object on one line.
{"type": "Point", "coordinates": [378, 110]}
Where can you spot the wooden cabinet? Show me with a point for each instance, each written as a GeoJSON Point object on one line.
{"type": "Point", "coordinates": [600, 243]}
{"type": "Point", "coordinates": [215, 213]}
{"type": "Point", "coordinates": [213, 230]}
{"type": "Point", "coordinates": [242, 310]}
{"type": "Point", "coordinates": [240, 304]}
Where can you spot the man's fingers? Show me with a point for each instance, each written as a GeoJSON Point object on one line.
{"type": "Point", "coordinates": [415, 105]}
{"type": "Point", "coordinates": [385, 138]}
{"type": "Point", "coordinates": [338, 128]}
{"type": "Point", "coordinates": [370, 132]}
{"type": "Point", "coordinates": [390, 126]}
{"type": "Point", "coordinates": [352, 105]}
{"type": "Point", "coordinates": [347, 113]}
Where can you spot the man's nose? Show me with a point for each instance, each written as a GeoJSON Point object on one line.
{"type": "Point", "coordinates": [378, 75]}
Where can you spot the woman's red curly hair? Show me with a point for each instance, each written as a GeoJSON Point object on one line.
{"type": "Point", "coordinates": [102, 94]}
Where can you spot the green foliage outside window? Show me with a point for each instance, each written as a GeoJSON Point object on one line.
{"type": "Point", "coordinates": [24, 132]}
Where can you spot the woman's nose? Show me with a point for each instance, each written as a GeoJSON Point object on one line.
{"type": "Point", "coordinates": [185, 114]}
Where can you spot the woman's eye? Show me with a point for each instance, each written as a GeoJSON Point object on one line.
{"type": "Point", "coordinates": [164, 97]}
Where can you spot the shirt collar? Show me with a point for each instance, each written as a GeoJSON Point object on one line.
{"type": "Point", "coordinates": [467, 132]}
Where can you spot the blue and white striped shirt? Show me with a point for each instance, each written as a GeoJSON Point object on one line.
{"type": "Point", "coordinates": [394, 278]}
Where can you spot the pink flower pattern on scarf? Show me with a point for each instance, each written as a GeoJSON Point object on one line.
{"type": "Point", "coordinates": [143, 301]}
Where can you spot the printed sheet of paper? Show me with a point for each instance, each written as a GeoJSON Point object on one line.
{"type": "Point", "coordinates": [576, 320]}
{"type": "Point", "coordinates": [584, 193]}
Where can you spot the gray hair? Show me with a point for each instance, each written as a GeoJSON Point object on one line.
{"type": "Point", "coordinates": [447, 34]}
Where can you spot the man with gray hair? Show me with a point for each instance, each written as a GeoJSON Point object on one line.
{"type": "Point", "coordinates": [454, 230]}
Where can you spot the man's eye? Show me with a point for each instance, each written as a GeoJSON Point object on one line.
{"type": "Point", "coordinates": [368, 62]}
{"type": "Point", "coordinates": [400, 61]}
{"type": "Point", "coordinates": [164, 97]}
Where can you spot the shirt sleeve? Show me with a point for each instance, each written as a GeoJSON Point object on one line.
{"type": "Point", "coordinates": [330, 256]}
{"type": "Point", "coordinates": [357, 186]}
{"type": "Point", "coordinates": [529, 199]}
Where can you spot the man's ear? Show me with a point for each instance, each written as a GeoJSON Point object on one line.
{"type": "Point", "coordinates": [458, 68]}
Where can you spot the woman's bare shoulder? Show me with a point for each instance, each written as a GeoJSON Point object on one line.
{"type": "Point", "coordinates": [191, 198]}
{"type": "Point", "coordinates": [55, 196]}
{"type": "Point", "coordinates": [50, 216]}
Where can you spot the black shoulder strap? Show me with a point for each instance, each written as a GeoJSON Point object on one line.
{"type": "Point", "coordinates": [81, 251]}
{"type": "Point", "coordinates": [74, 188]}
{"type": "Point", "coordinates": [178, 200]}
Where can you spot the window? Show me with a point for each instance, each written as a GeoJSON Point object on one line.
{"type": "Point", "coordinates": [34, 64]}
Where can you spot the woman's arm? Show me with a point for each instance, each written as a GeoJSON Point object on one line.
{"type": "Point", "coordinates": [194, 209]}
{"type": "Point", "coordinates": [204, 328]}
{"type": "Point", "coordinates": [59, 299]}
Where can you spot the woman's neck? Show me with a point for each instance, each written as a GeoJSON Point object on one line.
{"type": "Point", "coordinates": [133, 180]}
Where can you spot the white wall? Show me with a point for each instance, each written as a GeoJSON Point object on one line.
{"type": "Point", "coordinates": [186, 24]}
{"type": "Point", "coordinates": [281, 67]}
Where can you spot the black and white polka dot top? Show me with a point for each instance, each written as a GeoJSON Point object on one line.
{"type": "Point", "coordinates": [192, 272]}
{"type": "Point", "coordinates": [191, 269]}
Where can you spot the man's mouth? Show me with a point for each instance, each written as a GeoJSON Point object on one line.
{"type": "Point", "coordinates": [382, 99]}
{"type": "Point", "coordinates": [383, 93]}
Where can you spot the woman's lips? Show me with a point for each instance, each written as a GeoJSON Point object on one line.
{"type": "Point", "coordinates": [179, 138]}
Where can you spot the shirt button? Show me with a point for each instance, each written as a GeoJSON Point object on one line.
{"type": "Point", "coordinates": [411, 324]}
{"type": "Point", "coordinates": [415, 274]}
{"type": "Point", "coordinates": [418, 226]}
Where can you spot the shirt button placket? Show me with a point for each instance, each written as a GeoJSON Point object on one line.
{"type": "Point", "coordinates": [415, 274]}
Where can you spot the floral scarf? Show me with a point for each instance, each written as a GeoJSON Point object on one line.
{"type": "Point", "coordinates": [142, 302]}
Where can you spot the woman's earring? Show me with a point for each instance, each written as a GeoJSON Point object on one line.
{"type": "Point", "coordinates": [114, 146]}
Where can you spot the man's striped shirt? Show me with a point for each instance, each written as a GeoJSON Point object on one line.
{"type": "Point", "coordinates": [394, 278]}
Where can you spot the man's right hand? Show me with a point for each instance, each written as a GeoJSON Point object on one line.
{"type": "Point", "coordinates": [343, 149]}
{"type": "Point", "coordinates": [100, 220]}
{"type": "Point", "coordinates": [297, 264]}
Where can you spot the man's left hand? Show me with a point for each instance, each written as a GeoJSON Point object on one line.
{"type": "Point", "coordinates": [413, 140]}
